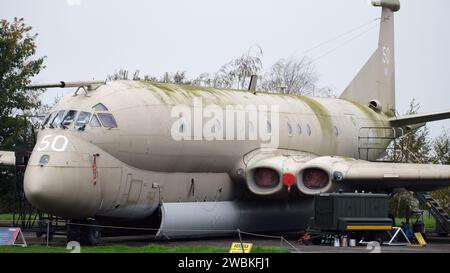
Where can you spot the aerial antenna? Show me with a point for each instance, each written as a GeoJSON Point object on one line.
{"type": "Point", "coordinates": [338, 37]}
{"type": "Point", "coordinates": [253, 82]}
{"type": "Point", "coordinates": [86, 86]}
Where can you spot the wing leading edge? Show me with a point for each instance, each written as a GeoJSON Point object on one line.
{"type": "Point", "coordinates": [377, 176]}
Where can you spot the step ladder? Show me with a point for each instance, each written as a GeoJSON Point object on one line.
{"type": "Point", "coordinates": [442, 218]}
{"type": "Point", "coordinates": [374, 142]}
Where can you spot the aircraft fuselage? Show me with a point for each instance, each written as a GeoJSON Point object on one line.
{"type": "Point", "coordinates": [140, 164]}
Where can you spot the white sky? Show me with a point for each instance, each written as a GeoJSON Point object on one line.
{"type": "Point", "coordinates": [86, 39]}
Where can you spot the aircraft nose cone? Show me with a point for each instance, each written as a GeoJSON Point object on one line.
{"type": "Point", "coordinates": [64, 192]}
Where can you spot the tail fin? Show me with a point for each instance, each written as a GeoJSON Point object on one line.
{"type": "Point", "coordinates": [375, 82]}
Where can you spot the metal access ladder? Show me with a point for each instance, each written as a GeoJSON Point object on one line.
{"type": "Point", "coordinates": [442, 218]}
{"type": "Point", "coordinates": [372, 142]}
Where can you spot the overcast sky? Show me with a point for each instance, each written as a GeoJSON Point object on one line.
{"type": "Point", "coordinates": [89, 39]}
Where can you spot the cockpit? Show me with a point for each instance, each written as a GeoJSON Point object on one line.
{"type": "Point", "coordinates": [79, 120]}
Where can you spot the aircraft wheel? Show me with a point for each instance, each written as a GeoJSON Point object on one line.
{"type": "Point", "coordinates": [74, 233]}
{"type": "Point", "coordinates": [91, 235]}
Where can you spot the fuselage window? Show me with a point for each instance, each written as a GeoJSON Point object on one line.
{"type": "Point", "coordinates": [308, 129]}
{"type": "Point", "coordinates": [289, 129]}
{"type": "Point", "coordinates": [48, 119]}
{"type": "Point", "coordinates": [59, 117]}
{"type": "Point", "coordinates": [69, 118]}
{"type": "Point", "coordinates": [216, 127]}
{"type": "Point", "coordinates": [100, 107]}
{"type": "Point", "coordinates": [95, 122]}
{"type": "Point", "coordinates": [83, 119]}
{"type": "Point", "coordinates": [336, 131]}
{"type": "Point", "coordinates": [269, 127]}
{"type": "Point", "coordinates": [107, 120]}
{"type": "Point", "coordinates": [181, 129]}
{"type": "Point", "coordinates": [299, 129]}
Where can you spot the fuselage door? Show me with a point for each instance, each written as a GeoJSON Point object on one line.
{"type": "Point", "coordinates": [124, 189]}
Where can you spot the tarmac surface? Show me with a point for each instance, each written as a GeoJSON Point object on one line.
{"type": "Point", "coordinates": [435, 244]}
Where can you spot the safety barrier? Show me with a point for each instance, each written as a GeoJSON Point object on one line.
{"type": "Point", "coordinates": [284, 243]}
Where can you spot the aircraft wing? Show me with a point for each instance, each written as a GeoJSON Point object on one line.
{"type": "Point", "coordinates": [313, 175]}
{"type": "Point", "coordinates": [377, 176]}
{"type": "Point", "coordinates": [7, 158]}
{"type": "Point", "coordinates": [418, 118]}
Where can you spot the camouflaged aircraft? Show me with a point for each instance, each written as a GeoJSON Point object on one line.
{"type": "Point", "coordinates": [107, 154]}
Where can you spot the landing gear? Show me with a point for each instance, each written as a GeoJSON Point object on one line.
{"type": "Point", "coordinates": [92, 236]}
{"type": "Point", "coordinates": [84, 232]}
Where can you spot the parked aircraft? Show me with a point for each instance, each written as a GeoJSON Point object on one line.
{"type": "Point", "coordinates": [196, 161]}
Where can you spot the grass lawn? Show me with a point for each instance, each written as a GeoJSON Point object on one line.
{"type": "Point", "coordinates": [9, 216]}
{"type": "Point", "coordinates": [430, 222]}
{"type": "Point", "coordinates": [6, 216]}
{"type": "Point", "coordinates": [152, 248]}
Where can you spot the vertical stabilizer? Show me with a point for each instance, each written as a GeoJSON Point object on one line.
{"type": "Point", "coordinates": [375, 82]}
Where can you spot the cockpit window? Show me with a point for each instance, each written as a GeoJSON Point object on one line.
{"type": "Point", "coordinates": [83, 119]}
{"type": "Point", "coordinates": [95, 122]}
{"type": "Point", "coordinates": [107, 120]}
{"type": "Point", "coordinates": [100, 107]}
{"type": "Point", "coordinates": [57, 121]}
{"type": "Point", "coordinates": [48, 119]}
{"type": "Point", "coordinates": [69, 118]}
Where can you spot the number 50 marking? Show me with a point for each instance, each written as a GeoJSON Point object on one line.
{"type": "Point", "coordinates": [386, 55]}
{"type": "Point", "coordinates": [58, 144]}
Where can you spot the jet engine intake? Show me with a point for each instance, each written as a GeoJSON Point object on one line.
{"type": "Point", "coordinates": [313, 180]}
{"type": "Point", "coordinates": [264, 176]}
{"type": "Point", "coordinates": [316, 176]}
{"type": "Point", "coordinates": [264, 181]}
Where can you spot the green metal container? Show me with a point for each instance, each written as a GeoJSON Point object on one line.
{"type": "Point", "coordinates": [352, 212]}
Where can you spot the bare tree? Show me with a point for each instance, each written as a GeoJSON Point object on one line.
{"type": "Point", "coordinates": [180, 78]}
{"type": "Point", "coordinates": [441, 155]}
{"type": "Point", "coordinates": [236, 73]}
{"type": "Point", "coordinates": [122, 74]}
{"type": "Point", "coordinates": [150, 78]}
{"type": "Point", "coordinates": [204, 79]}
{"type": "Point", "coordinates": [441, 149]}
{"type": "Point", "coordinates": [324, 92]}
{"type": "Point", "coordinates": [291, 76]}
{"type": "Point", "coordinates": [287, 76]}
{"type": "Point", "coordinates": [414, 147]}
{"type": "Point", "coordinates": [136, 76]}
